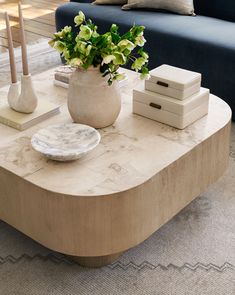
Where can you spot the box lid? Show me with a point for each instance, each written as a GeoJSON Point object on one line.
{"type": "Point", "coordinates": [162, 102]}
{"type": "Point", "coordinates": [177, 78]}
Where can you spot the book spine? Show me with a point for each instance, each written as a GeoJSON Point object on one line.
{"type": "Point", "coordinates": [61, 84]}
{"type": "Point", "coordinates": [10, 123]}
{"type": "Point", "coordinates": [62, 78]}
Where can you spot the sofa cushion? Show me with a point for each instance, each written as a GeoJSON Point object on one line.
{"type": "Point", "coordinates": [216, 8]}
{"type": "Point", "coordinates": [81, 1]}
{"type": "Point", "coordinates": [112, 2]}
{"type": "Point", "coordinates": [180, 6]}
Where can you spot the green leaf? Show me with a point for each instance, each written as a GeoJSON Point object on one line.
{"type": "Point", "coordinates": [104, 68]}
{"type": "Point", "coordinates": [115, 38]}
{"type": "Point", "coordinates": [110, 81]}
{"type": "Point", "coordinates": [145, 70]}
{"type": "Point", "coordinates": [114, 28]}
{"type": "Point", "coordinates": [106, 74]}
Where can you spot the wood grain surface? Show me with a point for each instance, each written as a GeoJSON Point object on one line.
{"type": "Point", "coordinates": [39, 18]}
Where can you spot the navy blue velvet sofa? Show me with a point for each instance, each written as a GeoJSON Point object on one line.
{"type": "Point", "coordinates": [204, 43]}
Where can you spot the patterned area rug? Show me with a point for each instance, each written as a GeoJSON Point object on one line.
{"type": "Point", "coordinates": [193, 254]}
{"type": "Point", "coordinates": [40, 56]}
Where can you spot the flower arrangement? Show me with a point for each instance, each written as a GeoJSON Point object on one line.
{"type": "Point", "coordinates": [107, 51]}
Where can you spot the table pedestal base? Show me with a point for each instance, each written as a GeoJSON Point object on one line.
{"type": "Point", "coordinates": [97, 261]}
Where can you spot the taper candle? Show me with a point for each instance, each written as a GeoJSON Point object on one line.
{"type": "Point", "coordinates": [23, 42]}
{"type": "Point", "coordinates": [11, 50]}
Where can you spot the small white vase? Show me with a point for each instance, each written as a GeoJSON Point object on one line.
{"type": "Point", "coordinates": [91, 100]}
{"type": "Point", "coordinates": [23, 100]}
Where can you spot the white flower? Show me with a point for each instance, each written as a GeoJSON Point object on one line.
{"type": "Point", "coordinates": [145, 55]}
{"type": "Point", "coordinates": [52, 43]}
{"type": "Point", "coordinates": [85, 32]}
{"type": "Point", "coordinates": [67, 29]}
{"type": "Point", "coordinates": [59, 46]}
{"type": "Point", "coordinates": [82, 47]}
{"type": "Point", "coordinates": [126, 44]}
{"type": "Point", "coordinates": [108, 58]}
{"type": "Point", "coordinates": [66, 54]}
{"type": "Point", "coordinates": [138, 63]}
{"type": "Point", "coordinates": [75, 62]}
{"type": "Point", "coordinates": [63, 32]}
{"type": "Point", "coordinates": [120, 77]}
{"type": "Point", "coordinates": [88, 49]}
{"type": "Point", "coordinates": [144, 76]}
{"type": "Point", "coordinates": [95, 34]}
{"type": "Point", "coordinates": [140, 41]}
{"type": "Point", "coordinates": [120, 59]}
{"type": "Point", "coordinates": [79, 19]}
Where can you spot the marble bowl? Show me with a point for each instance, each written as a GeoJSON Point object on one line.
{"type": "Point", "coordinates": [65, 142]}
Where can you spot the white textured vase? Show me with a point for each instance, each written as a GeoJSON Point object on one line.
{"type": "Point", "coordinates": [91, 100]}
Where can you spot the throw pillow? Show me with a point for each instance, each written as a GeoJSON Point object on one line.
{"type": "Point", "coordinates": [112, 2]}
{"type": "Point", "coordinates": [178, 6]}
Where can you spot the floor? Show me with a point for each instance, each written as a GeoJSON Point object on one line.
{"type": "Point", "coordinates": [39, 20]}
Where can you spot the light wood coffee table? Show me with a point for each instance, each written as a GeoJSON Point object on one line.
{"type": "Point", "coordinates": [139, 177]}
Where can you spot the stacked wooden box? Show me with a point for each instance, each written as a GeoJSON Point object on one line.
{"type": "Point", "coordinates": [172, 96]}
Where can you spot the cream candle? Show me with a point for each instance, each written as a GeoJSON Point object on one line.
{"type": "Point", "coordinates": [11, 50]}
{"type": "Point", "coordinates": [23, 42]}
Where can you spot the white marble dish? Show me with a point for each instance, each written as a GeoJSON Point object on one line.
{"type": "Point", "coordinates": [65, 142]}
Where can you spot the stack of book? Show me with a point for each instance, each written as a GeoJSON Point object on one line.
{"type": "Point", "coordinates": [21, 121]}
{"type": "Point", "coordinates": [62, 76]}
{"type": "Point", "coordinates": [172, 96]}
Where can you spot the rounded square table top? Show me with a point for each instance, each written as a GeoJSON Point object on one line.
{"type": "Point", "coordinates": [130, 153]}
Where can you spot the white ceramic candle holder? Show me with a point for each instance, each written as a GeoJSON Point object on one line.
{"type": "Point", "coordinates": [13, 94]}
{"type": "Point", "coordinates": [26, 100]}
